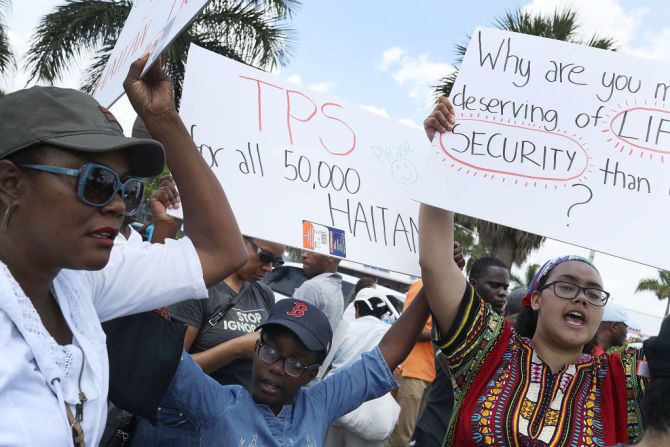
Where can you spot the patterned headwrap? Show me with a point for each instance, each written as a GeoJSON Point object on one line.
{"type": "Point", "coordinates": [544, 271]}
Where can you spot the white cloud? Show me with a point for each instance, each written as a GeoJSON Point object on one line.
{"type": "Point", "coordinates": [390, 56]}
{"type": "Point", "coordinates": [416, 73]}
{"type": "Point", "coordinates": [294, 78]}
{"type": "Point", "coordinates": [605, 18]}
{"type": "Point", "coordinates": [656, 46]}
{"type": "Point", "coordinates": [322, 87]}
{"type": "Point", "coordinates": [410, 122]}
{"type": "Point", "coordinates": [374, 109]}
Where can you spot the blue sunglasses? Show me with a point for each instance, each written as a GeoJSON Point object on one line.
{"type": "Point", "coordinates": [97, 184]}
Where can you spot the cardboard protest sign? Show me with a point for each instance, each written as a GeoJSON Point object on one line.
{"type": "Point", "coordinates": [303, 169]}
{"type": "Point", "coordinates": [150, 27]}
{"type": "Point", "coordinates": [558, 139]}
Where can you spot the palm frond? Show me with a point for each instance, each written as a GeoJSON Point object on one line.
{"type": "Point", "coordinates": [604, 43]}
{"type": "Point", "coordinates": [97, 67]}
{"type": "Point", "coordinates": [648, 285]}
{"type": "Point", "coordinates": [6, 53]}
{"type": "Point", "coordinates": [250, 31]}
{"type": "Point", "coordinates": [253, 33]}
{"type": "Point", "coordinates": [445, 85]}
{"type": "Point", "coordinates": [563, 25]}
{"type": "Point", "coordinates": [530, 272]}
{"type": "Point", "coordinates": [659, 286]}
{"type": "Point", "coordinates": [7, 60]}
{"type": "Point", "coordinates": [69, 30]}
{"type": "Point", "coordinates": [282, 9]}
{"type": "Point", "coordinates": [516, 281]}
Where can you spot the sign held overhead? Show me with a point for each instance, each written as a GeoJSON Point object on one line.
{"type": "Point", "coordinates": [303, 169]}
{"type": "Point", "coordinates": [150, 27]}
{"type": "Point", "coordinates": [558, 139]}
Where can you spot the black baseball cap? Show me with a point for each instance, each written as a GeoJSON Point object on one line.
{"type": "Point", "coordinates": [305, 320]}
{"type": "Point", "coordinates": [71, 119]}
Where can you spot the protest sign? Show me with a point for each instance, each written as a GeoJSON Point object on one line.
{"type": "Point", "coordinates": [561, 140]}
{"type": "Point", "coordinates": [150, 27]}
{"type": "Point", "coordinates": [306, 170]}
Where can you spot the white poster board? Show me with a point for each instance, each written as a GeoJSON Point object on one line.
{"type": "Point", "coordinates": [150, 27]}
{"type": "Point", "coordinates": [303, 169]}
{"type": "Point", "coordinates": [561, 140]}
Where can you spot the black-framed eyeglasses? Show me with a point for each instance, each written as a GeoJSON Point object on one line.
{"type": "Point", "coordinates": [570, 291]}
{"type": "Point", "coordinates": [265, 256]}
{"type": "Point", "coordinates": [292, 367]}
{"type": "Point", "coordinates": [97, 184]}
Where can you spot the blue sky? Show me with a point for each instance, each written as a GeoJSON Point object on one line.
{"type": "Point", "coordinates": [385, 55]}
{"type": "Point", "coordinates": [344, 44]}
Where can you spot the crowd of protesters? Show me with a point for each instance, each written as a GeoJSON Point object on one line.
{"type": "Point", "coordinates": [181, 337]}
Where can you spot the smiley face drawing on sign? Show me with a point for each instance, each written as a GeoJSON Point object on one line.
{"type": "Point", "coordinates": [404, 171]}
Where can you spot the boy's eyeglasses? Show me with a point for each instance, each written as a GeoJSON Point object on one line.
{"type": "Point", "coordinates": [292, 367]}
{"type": "Point", "coordinates": [97, 184]}
{"type": "Point", "coordinates": [265, 256]}
{"type": "Point", "coordinates": [570, 291]}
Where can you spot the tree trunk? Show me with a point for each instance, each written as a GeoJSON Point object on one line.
{"type": "Point", "coordinates": [667, 306]}
{"type": "Point", "coordinates": [504, 252]}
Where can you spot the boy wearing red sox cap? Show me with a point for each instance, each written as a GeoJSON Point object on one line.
{"type": "Point", "coordinates": [279, 409]}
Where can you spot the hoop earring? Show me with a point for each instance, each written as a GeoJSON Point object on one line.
{"type": "Point", "coordinates": [6, 217]}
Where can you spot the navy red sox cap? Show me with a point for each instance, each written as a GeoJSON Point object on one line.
{"type": "Point", "coordinates": [305, 320]}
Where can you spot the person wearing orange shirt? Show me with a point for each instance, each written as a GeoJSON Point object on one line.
{"type": "Point", "coordinates": [418, 373]}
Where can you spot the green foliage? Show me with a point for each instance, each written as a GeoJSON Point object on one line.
{"type": "Point", "coordinates": [6, 53]}
{"type": "Point", "coordinates": [659, 286]}
{"type": "Point", "coordinates": [249, 31]}
{"type": "Point", "coordinates": [527, 276]}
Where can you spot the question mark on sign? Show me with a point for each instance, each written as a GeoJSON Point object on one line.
{"type": "Point", "coordinates": [580, 203]}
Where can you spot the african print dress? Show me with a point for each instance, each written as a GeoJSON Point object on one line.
{"type": "Point", "coordinates": [507, 396]}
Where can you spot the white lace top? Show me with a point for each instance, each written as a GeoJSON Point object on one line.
{"type": "Point", "coordinates": [37, 375]}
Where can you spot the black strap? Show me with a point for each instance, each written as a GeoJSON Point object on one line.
{"type": "Point", "coordinates": [267, 294]}
{"type": "Point", "coordinates": [214, 318]}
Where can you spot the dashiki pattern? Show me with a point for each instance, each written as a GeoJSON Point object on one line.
{"type": "Point", "coordinates": [518, 401]}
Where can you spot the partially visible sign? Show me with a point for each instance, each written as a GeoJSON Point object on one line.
{"type": "Point", "coordinates": [150, 27]}
{"type": "Point", "coordinates": [303, 169]}
{"type": "Point", "coordinates": [558, 139]}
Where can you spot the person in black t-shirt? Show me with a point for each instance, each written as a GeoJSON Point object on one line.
{"type": "Point", "coordinates": [235, 307]}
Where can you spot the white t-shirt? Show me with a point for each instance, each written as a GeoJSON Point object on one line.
{"type": "Point", "coordinates": [37, 375]}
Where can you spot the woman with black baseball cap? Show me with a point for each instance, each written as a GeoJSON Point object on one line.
{"type": "Point", "coordinates": [68, 176]}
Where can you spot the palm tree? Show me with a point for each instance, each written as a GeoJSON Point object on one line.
{"type": "Point", "coordinates": [526, 277]}
{"type": "Point", "coordinates": [660, 287]}
{"type": "Point", "coordinates": [507, 244]}
{"type": "Point", "coordinates": [249, 31]}
{"type": "Point", "coordinates": [6, 54]}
